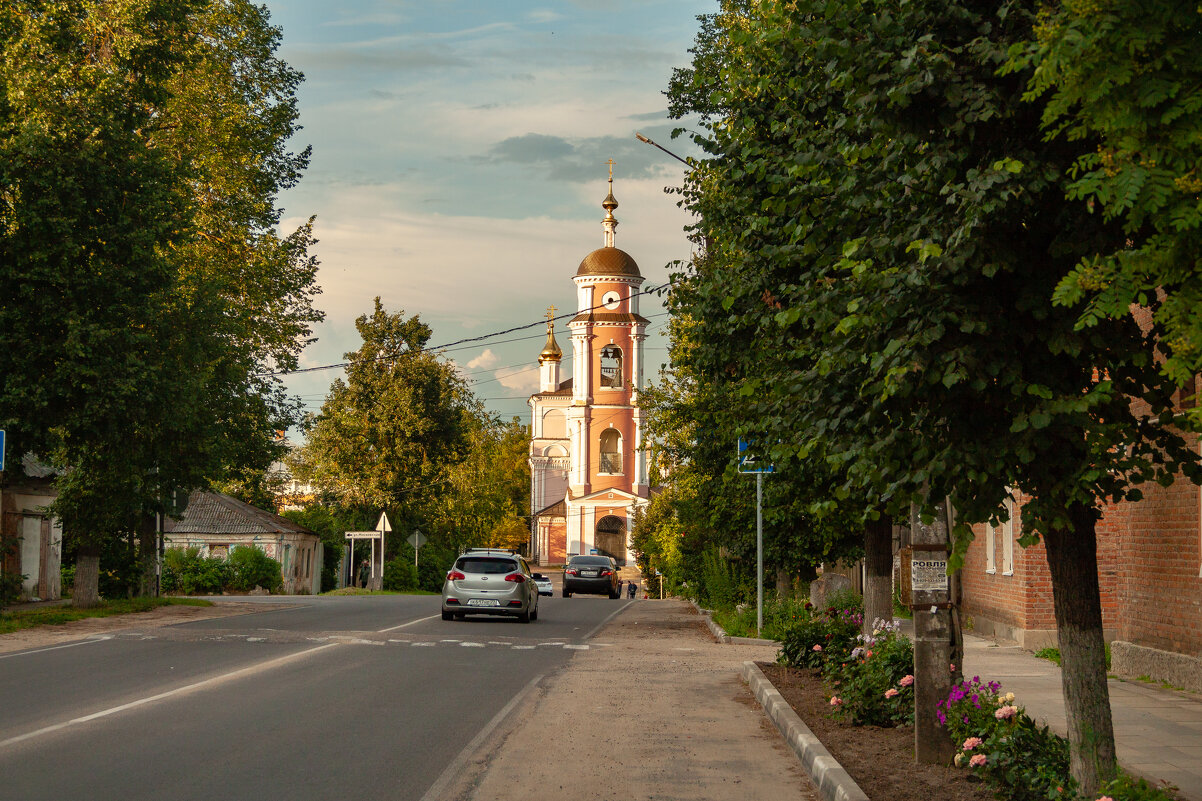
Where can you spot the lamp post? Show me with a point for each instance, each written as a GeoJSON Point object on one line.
{"type": "Point", "coordinates": [647, 141]}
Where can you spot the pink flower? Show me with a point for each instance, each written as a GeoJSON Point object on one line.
{"type": "Point", "coordinates": [977, 761]}
{"type": "Point", "coordinates": [906, 681]}
{"type": "Point", "coordinates": [867, 654]}
{"type": "Point", "coordinates": [817, 647]}
{"type": "Point", "coordinates": [891, 692]}
{"type": "Point", "coordinates": [971, 743]}
{"type": "Point", "coordinates": [953, 667]}
{"type": "Point", "coordinates": [835, 701]}
{"type": "Point", "coordinates": [1005, 712]}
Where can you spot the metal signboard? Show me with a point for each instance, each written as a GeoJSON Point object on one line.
{"type": "Point", "coordinates": [749, 462]}
{"type": "Point", "coordinates": [417, 539]}
{"type": "Point", "coordinates": [1, 448]}
{"type": "Point", "coordinates": [363, 535]}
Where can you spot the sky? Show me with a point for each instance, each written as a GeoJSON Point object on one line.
{"type": "Point", "coordinates": [459, 164]}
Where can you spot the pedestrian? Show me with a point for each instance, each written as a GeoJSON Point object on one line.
{"type": "Point", "coordinates": [363, 573]}
{"type": "Point", "coordinates": [631, 589]}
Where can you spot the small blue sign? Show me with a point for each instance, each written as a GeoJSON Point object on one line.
{"type": "Point", "coordinates": [1, 448]}
{"type": "Point", "coordinates": [749, 462]}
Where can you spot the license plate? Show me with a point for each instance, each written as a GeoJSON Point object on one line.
{"type": "Point", "coordinates": [482, 602]}
{"type": "Point", "coordinates": [588, 573]}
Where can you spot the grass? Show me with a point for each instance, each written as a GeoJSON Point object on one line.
{"type": "Point", "coordinates": [361, 591]}
{"type": "Point", "coordinates": [16, 620]}
{"type": "Point", "coordinates": [1053, 655]}
{"type": "Point", "coordinates": [777, 617]}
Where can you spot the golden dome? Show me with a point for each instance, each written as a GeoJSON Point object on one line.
{"type": "Point", "coordinates": [609, 261]}
{"type": "Point", "coordinates": [551, 351]}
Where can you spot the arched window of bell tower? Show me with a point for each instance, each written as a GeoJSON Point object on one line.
{"type": "Point", "coordinates": [611, 367]}
{"type": "Point", "coordinates": [611, 452]}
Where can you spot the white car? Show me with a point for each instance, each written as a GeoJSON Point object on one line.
{"type": "Point", "coordinates": [544, 584]}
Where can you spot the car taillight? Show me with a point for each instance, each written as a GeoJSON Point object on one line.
{"type": "Point", "coordinates": [571, 571]}
{"type": "Point", "coordinates": [516, 577]}
{"type": "Point", "coordinates": [455, 575]}
{"type": "Point", "coordinates": [607, 572]}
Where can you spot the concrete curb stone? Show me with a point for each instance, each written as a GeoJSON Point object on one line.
{"type": "Point", "coordinates": [832, 780]}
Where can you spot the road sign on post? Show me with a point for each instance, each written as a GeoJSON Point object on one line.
{"type": "Point", "coordinates": [417, 539]}
{"type": "Point", "coordinates": [749, 463]}
{"type": "Point", "coordinates": [1, 448]}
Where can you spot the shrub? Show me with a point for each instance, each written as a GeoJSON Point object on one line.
{"type": "Point", "coordinates": [719, 589]}
{"type": "Point", "coordinates": [813, 642]}
{"type": "Point", "coordinates": [400, 574]}
{"type": "Point", "coordinates": [251, 567]}
{"type": "Point", "coordinates": [1018, 759]}
{"type": "Point", "coordinates": [875, 685]}
{"type": "Point", "coordinates": [186, 571]}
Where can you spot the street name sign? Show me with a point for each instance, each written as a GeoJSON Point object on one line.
{"type": "Point", "coordinates": [362, 535]}
{"type": "Point", "coordinates": [1, 448]}
{"type": "Point", "coordinates": [749, 462]}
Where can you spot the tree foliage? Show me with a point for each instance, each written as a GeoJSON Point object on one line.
{"type": "Point", "coordinates": [887, 225]}
{"type": "Point", "coordinates": [142, 147]}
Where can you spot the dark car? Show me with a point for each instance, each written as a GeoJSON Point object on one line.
{"type": "Point", "coordinates": [595, 575]}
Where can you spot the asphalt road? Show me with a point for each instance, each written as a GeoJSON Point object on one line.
{"type": "Point", "coordinates": [363, 697]}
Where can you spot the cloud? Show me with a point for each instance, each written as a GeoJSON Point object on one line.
{"type": "Point", "coordinates": [581, 159]}
{"type": "Point", "coordinates": [522, 379]}
{"type": "Point", "coordinates": [485, 359]}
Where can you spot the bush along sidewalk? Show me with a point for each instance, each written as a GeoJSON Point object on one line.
{"type": "Point", "coordinates": [870, 683]}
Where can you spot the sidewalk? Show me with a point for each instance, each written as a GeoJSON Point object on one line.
{"type": "Point", "coordinates": [1158, 732]}
{"type": "Point", "coordinates": [653, 710]}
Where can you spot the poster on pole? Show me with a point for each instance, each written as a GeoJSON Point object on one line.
{"type": "Point", "coordinates": [928, 572]}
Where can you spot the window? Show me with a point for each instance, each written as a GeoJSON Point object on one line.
{"type": "Point", "coordinates": [611, 367]}
{"type": "Point", "coordinates": [1007, 532]}
{"type": "Point", "coordinates": [611, 451]}
{"type": "Point", "coordinates": [990, 557]}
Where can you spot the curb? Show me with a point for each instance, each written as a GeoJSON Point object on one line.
{"type": "Point", "coordinates": [835, 783]}
{"type": "Point", "coordinates": [724, 638]}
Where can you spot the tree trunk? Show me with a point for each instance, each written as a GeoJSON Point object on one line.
{"type": "Point", "coordinates": [148, 556]}
{"type": "Point", "coordinates": [86, 592]}
{"type": "Point", "coordinates": [784, 584]}
{"type": "Point", "coordinates": [1073, 563]}
{"type": "Point", "coordinates": [878, 572]}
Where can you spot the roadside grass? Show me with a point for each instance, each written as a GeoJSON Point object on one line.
{"type": "Point", "coordinates": [18, 619]}
{"type": "Point", "coordinates": [778, 617]}
{"type": "Point", "coordinates": [361, 591]}
{"type": "Point", "coordinates": [1053, 655]}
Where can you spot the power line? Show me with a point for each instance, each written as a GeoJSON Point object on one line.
{"type": "Point", "coordinates": [480, 338]}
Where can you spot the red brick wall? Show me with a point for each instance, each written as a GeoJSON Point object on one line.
{"type": "Point", "coordinates": [1149, 554]}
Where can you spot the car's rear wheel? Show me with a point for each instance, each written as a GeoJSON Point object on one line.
{"type": "Point", "coordinates": [460, 615]}
{"type": "Point", "coordinates": [614, 595]}
{"type": "Point", "coordinates": [566, 594]}
{"type": "Point", "coordinates": [525, 616]}
{"type": "Point", "coordinates": [447, 615]}
{"type": "Point", "coordinates": [534, 614]}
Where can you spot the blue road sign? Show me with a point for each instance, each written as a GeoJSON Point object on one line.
{"type": "Point", "coordinates": [749, 462]}
{"type": "Point", "coordinates": [1, 448]}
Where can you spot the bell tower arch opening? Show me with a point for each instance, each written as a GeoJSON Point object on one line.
{"type": "Point", "coordinates": [610, 538]}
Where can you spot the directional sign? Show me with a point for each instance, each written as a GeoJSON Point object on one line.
{"type": "Point", "coordinates": [382, 524]}
{"type": "Point", "coordinates": [362, 535]}
{"type": "Point", "coordinates": [417, 539]}
{"type": "Point", "coordinates": [749, 462]}
{"type": "Point", "coordinates": [1, 448]}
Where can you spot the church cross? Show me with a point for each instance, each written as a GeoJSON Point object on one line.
{"type": "Point", "coordinates": [550, 315]}
{"type": "Point", "coordinates": [611, 164]}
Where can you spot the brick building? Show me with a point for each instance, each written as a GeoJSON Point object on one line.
{"type": "Point", "coordinates": [1150, 576]}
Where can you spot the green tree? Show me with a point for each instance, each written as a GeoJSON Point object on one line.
{"type": "Point", "coordinates": [888, 226]}
{"type": "Point", "coordinates": [1120, 78]}
{"type": "Point", "coordinates": [387, 436]}
{"type": "Point", "coordinates": [147, 302]}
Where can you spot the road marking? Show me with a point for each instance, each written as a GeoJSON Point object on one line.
{"type": "Point", "coordinates": [410, 623]}
{"type": "Point", "coordinates": [452, 771]}
{"type": "Point", "coordinates": [472, 644]}
{"type": "Point", "coordinates": [416, 644]}
{"type": "Point", "coordinates": [92, 639]}
{"type": "Point", "coordinates": [160, 696]}
{"type": "Point", "coordinates": [576, 647]}
{"type": "Point", "coordinates": [524, 647]}
{"type": "Point", "coordinates": [599, 626]}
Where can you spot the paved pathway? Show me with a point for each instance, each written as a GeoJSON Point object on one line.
{"type": "Point", "coordinates": [1158, 732]}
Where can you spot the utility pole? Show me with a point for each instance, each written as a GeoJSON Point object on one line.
{"type": "Point", "coordinates": [933, 635]}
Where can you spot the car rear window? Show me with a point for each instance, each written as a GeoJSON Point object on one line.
{"type": "Point", "coordinates": [484, 564]}
{"type": "Point", "coordinates": [590, 560]}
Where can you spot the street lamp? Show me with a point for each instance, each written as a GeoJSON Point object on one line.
{"type": "Point", "coordinates": [647, 141]}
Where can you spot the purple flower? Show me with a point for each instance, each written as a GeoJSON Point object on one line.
{"type": "Point", "coordinates": [942, 718]}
